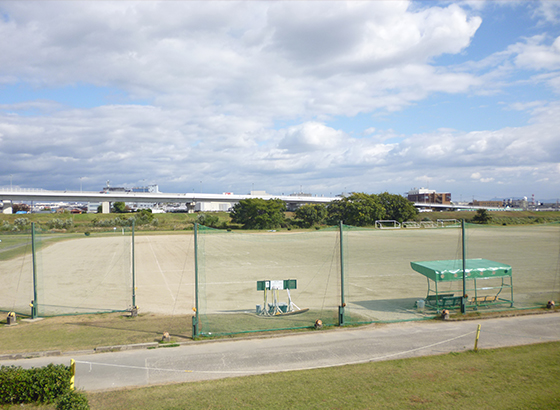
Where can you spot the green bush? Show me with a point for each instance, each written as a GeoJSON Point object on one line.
{"type": "Point", "coordinates": [73, 400]}
{"type": "Point", "coordinates": [60, 223]}
{"type": "Point", "coordinates": [35, 385]}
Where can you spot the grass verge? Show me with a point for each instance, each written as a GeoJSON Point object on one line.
{"type": "Point", "coordinates": [83, 332]}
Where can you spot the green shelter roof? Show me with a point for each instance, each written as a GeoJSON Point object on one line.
{"type": "Point", "coordinates": [450, 270]}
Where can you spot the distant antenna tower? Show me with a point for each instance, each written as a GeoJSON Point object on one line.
{"type": "Point", "coordinates": [533, 199]}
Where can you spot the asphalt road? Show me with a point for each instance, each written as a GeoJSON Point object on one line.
{"type": "Point", "coordinates": [334, 347]}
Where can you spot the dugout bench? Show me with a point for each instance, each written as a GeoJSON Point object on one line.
{"type": "Point", "coordinates": [485, 280]}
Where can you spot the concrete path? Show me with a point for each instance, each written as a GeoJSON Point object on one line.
{"type": "Point", "coordinates": [334, 347]}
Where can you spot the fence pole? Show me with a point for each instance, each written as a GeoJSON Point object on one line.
{"type": "Point", "coordinates": [342, 302]}
{"type": "Point", "coordinates": [463, 307]}
{"type": "Point", "coordinates": [34, 303]}
{"type": "Point", "coordinates": [195, 317]}
{"type": "Point", "coordinates": [133, 271]}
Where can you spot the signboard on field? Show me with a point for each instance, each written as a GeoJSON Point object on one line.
{"type": "Point", "coordinates": [277, 284]}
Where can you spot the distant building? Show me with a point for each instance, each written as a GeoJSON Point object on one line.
{"type": "Point", "coordinates": [213, 206]}
{"type": "Point", "coordinates": [516, 203]}
{"type": "Point", "coordinates": [488, 204]}
{"type": "Point", "coordinates": [429, 196]}
{"type": "Point", "coordinates": [150, 188]}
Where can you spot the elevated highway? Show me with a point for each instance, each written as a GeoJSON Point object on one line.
{"type": "Point", "coordinates": [14, 195]}
{"type": "Point", "coordinates": [39, 195]}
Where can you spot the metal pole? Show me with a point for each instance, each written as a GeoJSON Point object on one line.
{"type": "Point", "coordinates": [73, 372]}
{"type": "Point", "coordinates": [463, 307]}
{"type": "Point", "coordinates": [133, 271]}
{"type": "Point", "coordinates": [35, 304]}
{"type": "Point", "coordinates": [195, 317]}
{"type": "Point", "coordinates": [342, 302]}
{"type": "Point", "coordinates": [476, 340]}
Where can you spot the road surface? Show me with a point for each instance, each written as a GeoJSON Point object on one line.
{"type": "Point", "coordinates": [333, 347]}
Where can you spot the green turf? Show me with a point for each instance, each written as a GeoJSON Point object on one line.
{"type": "Point", "coordinates": [67, 333]}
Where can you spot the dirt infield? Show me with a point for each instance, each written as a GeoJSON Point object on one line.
{"type": "Point", "coordinates": [94, 273]}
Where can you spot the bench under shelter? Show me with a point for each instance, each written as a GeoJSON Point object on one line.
{"type": "Point", "coordinates": [486, 283]}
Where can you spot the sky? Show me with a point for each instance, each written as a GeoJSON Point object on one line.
{"type": "Point", "coordinates": [282, 96]}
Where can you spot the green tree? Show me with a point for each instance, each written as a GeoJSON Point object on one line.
{"type": "Point", "coordinates": [257, 213]}
{"type": "Point", "coordinates": [397, 207]}
{"type": "Point", "coordinates": [482, 216]}
{"type": "Point", "coordinates": [311, 214]}
{"type": "Point", "coordinates": [209, 220]}
{"type": "Point", "coordinates": [358, 209]}
{"type": "Point", "coordinates": [119, 207]}
{"type": "Point", "coordinates": [143, 217]}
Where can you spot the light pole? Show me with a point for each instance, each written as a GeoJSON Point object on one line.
{"type": "Point", "coordinates": [11, 182]}
{"type": "Point", "coordinates": [81, 183]}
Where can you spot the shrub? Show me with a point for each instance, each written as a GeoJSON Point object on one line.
{"type": "Point", "coordinates": [35, 385]}
{"type": "Point", "coordinates": [21, 222]}
{"type": "Point", "coordinates": [60, 223]}
{"type": "Point", "coordinates": [73, 400]}
{"type": "Point", "coordinates": [209, 220]}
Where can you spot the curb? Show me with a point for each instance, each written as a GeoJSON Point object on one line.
{"type": "Point", "coordinates": [33, 355]}
{"type": "Point", "coordinates": [120, 348]}
{"type": "Point", "coordinates": [100, 349]}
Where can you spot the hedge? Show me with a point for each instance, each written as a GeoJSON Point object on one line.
{"type": "Point", "coordinates": [35, 385]}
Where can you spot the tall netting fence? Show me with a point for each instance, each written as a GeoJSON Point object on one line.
{"type": "Point", "coordinates": [86, 274]}
{"type": "Point", "coordinates": [380, 285]}
{"type": "Point", "coordinates": [16, 271]}
{"type": "Point", "coordinates": [250, 282]}
{"type": "Point", "coordinates": [533, 252]}
{"type": "Point", "coordinates": [67, 273]}
{"type": "Point", "coordinates": [243, 277]}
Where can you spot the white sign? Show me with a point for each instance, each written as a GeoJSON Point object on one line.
{"type": "Point", "coordinates": [277, 284]}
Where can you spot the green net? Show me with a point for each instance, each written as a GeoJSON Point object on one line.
{"type": "Point", "coordinates": [377, 283]}
{"type": "Point", "coordinates": [70, 273]}
{"type": "Point", "coordinates": [16, 272]}
{"type": "Point", "coordinates": [251, 282]}
{"type": "Point", "coordinates": [533, 252]}
{"type": "Point", "coordinates": [85, 274]}
{"type": "Point", "coordinates": [380, 285]}
{"type": "Point", "coordinates": [230, 266]}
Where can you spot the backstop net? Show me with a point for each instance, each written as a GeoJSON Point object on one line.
{"type": "Point", "coordinates": [67, 273]}
{"type": "Point", "coordinates": [380, 285]}
{"type": "Point", "coordinates": [16, 271]}
{"type": "Point", "coordinates": [250, 282]}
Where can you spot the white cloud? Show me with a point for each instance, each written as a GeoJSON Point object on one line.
{"type": "Point", "coordinates": [272, 57]}
{"type": "Point", "coordinates": [548, 10]}
{"type": "Point", "coordinates": [219, 79]}
{"type": "Point", "coordinates": [535, 55]}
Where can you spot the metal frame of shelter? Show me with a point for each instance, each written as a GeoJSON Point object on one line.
{"type": "Point", "coordinates": [495, 278]}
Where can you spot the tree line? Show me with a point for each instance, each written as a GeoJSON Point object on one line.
{"type": "Point", "coordinates": [357, 209]}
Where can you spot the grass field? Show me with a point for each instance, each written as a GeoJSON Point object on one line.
{"type": "Point", "coordinates": [93, 273]}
